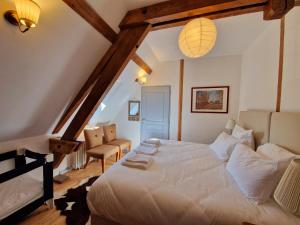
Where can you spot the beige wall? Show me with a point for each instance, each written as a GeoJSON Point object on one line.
{"type": "Point", "coordinates": [219, 71]}
{"type": "Point", "coordinates": [260, 71]}
{"type": "Point", "coordinates": [201, 128]}
{"type": "Point", "coordinates": [291, 72]}
{"type": "Point", "coordinates": [260, 68]}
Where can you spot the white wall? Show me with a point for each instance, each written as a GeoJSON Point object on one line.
{"type": "Point", "coordinates": [260, 71]}
{"type": "Point", "coordinates": [202, 128]}
{"type": "Point", "coordinates": [219, 71]}
{"type": "Point", "coordinates": [291, 72]}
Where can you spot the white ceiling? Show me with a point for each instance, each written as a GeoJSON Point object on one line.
{"type": "Point", "coordinates": [235, 35]}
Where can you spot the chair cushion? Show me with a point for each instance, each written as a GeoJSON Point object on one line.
{"type": "Point", "coordinates": [122, 143]}
{"type": "Point", "coordinates": [109, 133]}
{"type": "Point", "coordinates": [103, 151]}
{"type": "Point", "coordinates": [93, 137]}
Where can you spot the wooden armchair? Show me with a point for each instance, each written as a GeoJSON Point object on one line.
{"type": "Point", "coordinates": [96, 148]}
{"type": "Point", "coordinates": [110, 138]}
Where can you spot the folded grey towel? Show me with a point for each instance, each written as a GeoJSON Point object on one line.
{"type": "Point", "coordinates": [146, 150]}
{"type": "Point", "coordinates": [136, 165]}
{"type": "Point", "coordinates": [153, 141]}
{"type": "Point", "coordinates": [139, 158]}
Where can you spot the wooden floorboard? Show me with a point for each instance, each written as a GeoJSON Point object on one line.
{"type": "Point", "coordinates": [46, 216]}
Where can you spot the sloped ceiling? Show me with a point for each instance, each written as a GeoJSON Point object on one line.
{"type": "Point", "coordinates": [235, 34]}
{"type": "Point", "coordinates": [42, 70]}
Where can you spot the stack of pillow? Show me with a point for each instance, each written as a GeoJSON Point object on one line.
{"type": "Point", "coordinates": [256, 173]}
{"type": "Point", "coordinates": [225, 143]}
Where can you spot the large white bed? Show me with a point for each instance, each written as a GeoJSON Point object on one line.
{"type": "Point", "coordinates": [186, 184]}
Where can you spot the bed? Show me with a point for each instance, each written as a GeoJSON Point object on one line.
{"type": "Point", "coordinates": [21, 193]}
{"type": "Point", "coordinates": [187, 184]}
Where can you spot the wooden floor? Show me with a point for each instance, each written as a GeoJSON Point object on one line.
{"type": "Point", "coordinates": [46, 216]}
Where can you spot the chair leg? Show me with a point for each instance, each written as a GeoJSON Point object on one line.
{"type": "Point", "coordinates": [103, 165]}
{"type": "Point", "coordinates": [120, 153]}
{"type": "Point", "coordinates": [117, 156]}
{"type": "Point", "coordinates": [87, 161]}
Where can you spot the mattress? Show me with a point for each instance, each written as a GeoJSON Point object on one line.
{"type": "Point", "coordinates": [186, 185]}
{"type": "Point", "coordinates": [17, 193]}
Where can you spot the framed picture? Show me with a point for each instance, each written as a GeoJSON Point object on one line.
{"type": "Point", "coordinates": [210, 99]}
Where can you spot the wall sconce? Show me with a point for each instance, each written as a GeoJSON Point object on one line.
{"type": "Point", "coordinates": [25, 16]}
{"type": "Point", "coordinates": [142, 77]}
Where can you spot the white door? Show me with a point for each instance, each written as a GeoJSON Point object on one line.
{"type": "Point", "coordinates": [155, 112]}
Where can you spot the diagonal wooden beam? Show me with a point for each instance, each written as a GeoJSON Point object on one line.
{"type": "Point", "coordinates": [86, 11]}
{"type": "Point", "coordinates": [127, 43]}
{"type": "Point", "coordinates": [140, 62]}
{"type": "Point", "coordinates": [276, 9]}
{"type": "Point", "coordinates": [179, 9]}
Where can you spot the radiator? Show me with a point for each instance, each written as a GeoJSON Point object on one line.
{"type": "Point", "coordinates": [80, 157]}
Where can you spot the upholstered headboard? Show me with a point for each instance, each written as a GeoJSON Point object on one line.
{"type": "Point", "coordinates": [285, 130]}
{"type": "Point", "coordinates": [259, 122]}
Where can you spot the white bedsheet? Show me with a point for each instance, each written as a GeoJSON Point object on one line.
{"type": "Point", "coordinates": [17, 193]}
{"type": "Point", "coordinates": [186, 185]}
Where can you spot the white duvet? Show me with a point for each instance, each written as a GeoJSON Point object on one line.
{"type": "Point", "coordinates": [185, 185]}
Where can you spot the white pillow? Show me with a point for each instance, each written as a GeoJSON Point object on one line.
{"type": "Point", "coordinates": [277, 154]}
{"type": "Point", "coordinates": [224, 145]}
{"type": "Point", "coordinates": [245, 135]}
{"type": "Point", "coordinates": [256, 177]}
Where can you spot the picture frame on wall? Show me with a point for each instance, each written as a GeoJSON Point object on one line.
{"type": "Point", "coordinates": [210, 99]}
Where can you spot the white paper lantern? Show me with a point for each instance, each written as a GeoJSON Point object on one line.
{"type": "Point", "coordinates": [198, 37]}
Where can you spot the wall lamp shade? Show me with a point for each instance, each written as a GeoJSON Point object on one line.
{"type": "Point", "coordinates": [27, 14]}
{"type": "Point", "coordinates": [287, 193]}
{"type": "Point", "coordinates": [197, 37]}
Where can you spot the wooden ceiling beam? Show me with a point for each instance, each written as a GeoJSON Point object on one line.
{"type": "Point", "coordinates": [297, 3]}
{"type": "Point", "coordinates": [86, 11]}
{"type": "Point", "coordinates": [91, 16]}
{"type": "Point", "coordinates": [126, 45]}
{"type": "Point", "coordinates": [218, 15]}
{"type": "Point", "coordinates": [140, 62]}
{"type": "Point", "coordinates": [276, 9]}
{"type": "Point", "coordinates": [178, 9]}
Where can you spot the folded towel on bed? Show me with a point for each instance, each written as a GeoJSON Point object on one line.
{"type": "Point", "coordinates": [153, 141]}
{"type": "Point", "coordinates": [139, 158]}
{"type": "Point", "coordinates": [149, 145]}
{"type": "Point", "coordinates": [146, 150]}
{"type": "Point", "coordinates": [138, 165]}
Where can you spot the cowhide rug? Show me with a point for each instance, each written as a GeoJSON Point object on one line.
{"type": "Point", "coordinates": [73, 203]}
